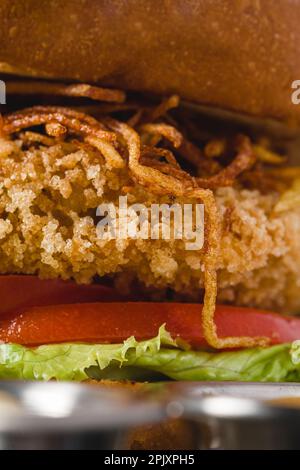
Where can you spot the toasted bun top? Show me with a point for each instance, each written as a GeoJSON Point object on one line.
{"type": "Point", "coordinates": [240, 55]}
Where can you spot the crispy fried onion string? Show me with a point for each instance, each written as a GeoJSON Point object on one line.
{"type": "Point", "coordinates": [22, 87]}
{"type": "Point", "coordinates": [210, 281]}
{"type": "Point", "coordinates": [160, 177]}
{"type": "Point", "coordinates": [30, 137]}
{"type": "Point", "coordinates": [55, 129]}
{"type": "Point", "coordinates": [244, 160]}
{"type": "Point", "coordinates": [68, 112]}
{"type": "Point", "coordinates": [164, 107]}
{"type": "Point", "coordinates": [192, 154]}
{"type": "Point", "coordinates": [111, 155]}
{"type": "Point", "coordinates": [157, 153]}
{"type": "Point", "coordinates": [164, 130]}
{"type": "Point", "coordinates": [58, 120]}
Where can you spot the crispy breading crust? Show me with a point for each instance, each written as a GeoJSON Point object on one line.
{"type": "Point", "coordinates": [48, 200]}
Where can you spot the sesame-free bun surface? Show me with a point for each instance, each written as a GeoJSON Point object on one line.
{"type": "Point", "coordinates": [240, 55]}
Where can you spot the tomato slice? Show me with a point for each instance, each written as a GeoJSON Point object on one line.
{"type": "Point", "coordinates": [114, 322]}
{"type": "Point", "coordinates": [19, 292]}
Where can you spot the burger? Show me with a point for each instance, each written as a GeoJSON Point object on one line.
{"type": "Point", "coordinates": [183, 104]}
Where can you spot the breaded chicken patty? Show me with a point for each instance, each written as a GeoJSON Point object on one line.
{"type": "Point", "coordinates": [49, 192]}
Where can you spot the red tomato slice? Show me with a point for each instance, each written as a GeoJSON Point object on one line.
{"type": "Point", "coordinates": [19, 292]}
{"type": "Point", "coordinates": [115, 322]}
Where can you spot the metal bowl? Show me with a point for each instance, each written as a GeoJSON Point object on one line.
{"type": "Point", "coordinates": [228, 415]}
{"type": "Point", "coordinates": [53, 415]}
{"type": "Point", "coordinates": [241, 415]}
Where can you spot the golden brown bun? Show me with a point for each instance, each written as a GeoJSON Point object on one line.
{"type": "Point", "coordinates": [235, 54]}
{"type": "Point", "coordinates": [174, 434]}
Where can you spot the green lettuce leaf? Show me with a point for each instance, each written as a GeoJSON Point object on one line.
{"type": "Point", "coordinates": [70, 361]}
{"type": "Point", "coordinates": [158, 357]}
{"type": "Point", "coordinates": [272, 364]}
